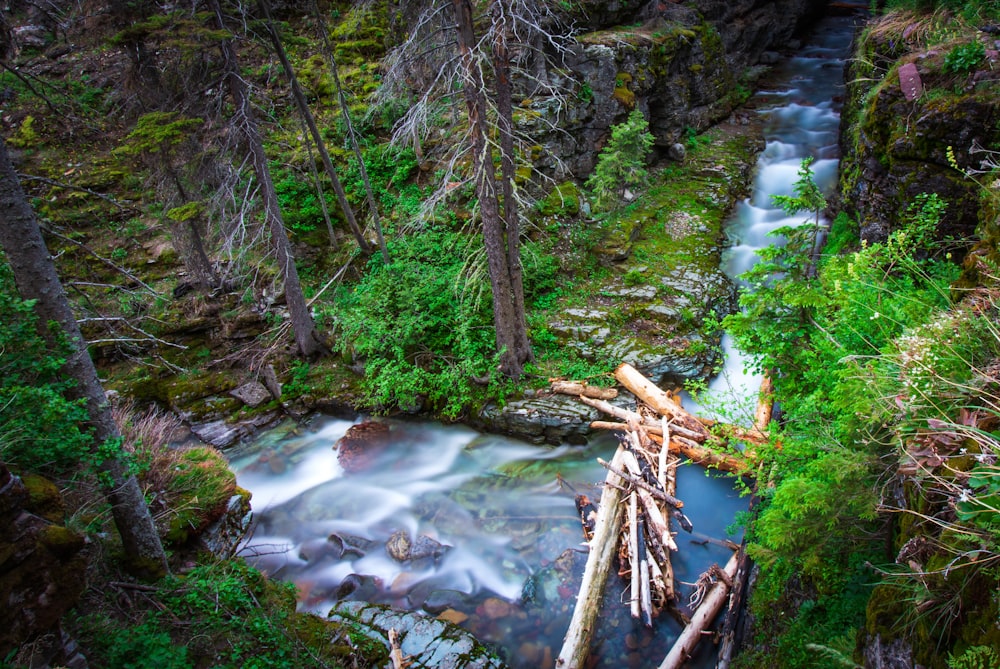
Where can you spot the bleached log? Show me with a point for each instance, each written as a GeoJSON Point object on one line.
{"type": "Point", "coordinates": [657, 523]}
{"type": "Point", "coordinates": [603, 546]}
{"type": "Point", "coordinates": [700, 621]}
{"type": "Point", "coordinates": [633, 554]}
{"type": "Point", "coordinates": [649, 423]}
{"type": "Point", "coordinates": [668, 479]}
{"type": "Point", "coordinates": [659, 401]}
{"type": "Point", "coordinates": [582, 389]}
{"type": "Point", "coordinates": [645, 594]}
{"type": "Point", "coordinates": [727, 462]}
{"type": "Point", "coordinates": [395, 652]}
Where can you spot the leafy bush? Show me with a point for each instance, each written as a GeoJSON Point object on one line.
{"type": "Point", "coordinates": [300, 205]}
{"type": "Point", "coordinates": [39, 428]}
{"type": "Point", "coordinates": [622, 162]}
{"type": "Point", "coordinates": [964, 58]}
{"type": "Point", "coordinates": [423, 329]}
{"type": "Point", "coordinates": [224, 615]}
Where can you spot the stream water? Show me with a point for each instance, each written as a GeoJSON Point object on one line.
{"type": "Point", "coordinates": [503, 510]}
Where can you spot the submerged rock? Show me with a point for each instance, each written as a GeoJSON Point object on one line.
{"type": "Point", "coordinates": [358, 449]}
{"type": "Point", "coordinates": [425, 642]}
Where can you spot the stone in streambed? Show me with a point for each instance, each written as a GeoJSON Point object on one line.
{"type": "Point", "coordinates": [358, 449]}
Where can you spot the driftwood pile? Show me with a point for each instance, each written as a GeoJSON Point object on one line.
{"type": "Point", "coordinates": [638, 503]}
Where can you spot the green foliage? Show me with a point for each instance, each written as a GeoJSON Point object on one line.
{"type": "Point", "coordinates": [828, 341]}
{"type": "Point", "coordinates": [158, 133]}
{"type": "Point", "coordinates": [622, 162]}
{"type": "Point", "coordinates": [422, 325]}
{"type": "Point", "coordinates": [843, 234]}
{"type": "Point", "coordinates": [299, 201]}
{"type": "Point", "coordinates": [808, 196]}
{"type": "Point", "coordinates": [26, 136]}
{"type": "Point", "coordinates": [964, 58]}
{"type": "Point", "coordinates": [975, 657]}
{"type": "Point", "coordinates": [390, 169]}
{"type": "Point", "coordinates": [39, 428]}
{"type": "Point", "coordinates": [227, 613]}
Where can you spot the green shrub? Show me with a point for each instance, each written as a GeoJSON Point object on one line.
{"type": "Point", "coordinates": [40, 429]}
{"type": "Point", "coordinates": [423, 328]}
{"type": "Point", "coordinates": [622, 162]}
{"type": "Point", "coordinates": [964, 58]}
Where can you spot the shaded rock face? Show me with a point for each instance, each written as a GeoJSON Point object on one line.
{"type": "Point", "coordinates": [882, 654]}
{"type": "Point", "coordinates": [896, 148]}
{"type": "Point", "coordinates": [41, 564]}
{"type": "Point", "coordinates": [682, 65]}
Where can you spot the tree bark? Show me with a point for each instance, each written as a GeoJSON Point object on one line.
{"type": "Point", "coordinates": [346, 114]}
{"type": "Point", "coordinates": [36, 279]}
{"type": "Point", "coordinates": [603, 547]}
{"type": "Point", "coordinates": [303, 326]}
{"type": "Point", "coordinates": [501, 12]}
{"type": "Point", "coordinates": [510, 331]}
{"type": "Point", "coordinates": [310, 120]}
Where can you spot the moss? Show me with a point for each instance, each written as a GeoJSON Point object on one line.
{"type": "Point", "coordinates": [62, 541]}
{"type": "Point", "coordinates": [622, 92]}
{"type": "Point", "coordinates": [198, 487]}
{"type": "Point", "coordinates": [564, 200]}
{"type": "Point", "coordinates": [45, 500]}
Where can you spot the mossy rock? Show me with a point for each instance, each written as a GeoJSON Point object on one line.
{"type": "Point", "coordinates": [564, 200]}
{"type": "Point", "coordinates": [45, 500]}
{"type": "Point", "coordinates": [198, 487]}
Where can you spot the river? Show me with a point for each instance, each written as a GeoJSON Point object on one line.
{"type": "Point", "coordinates": [503, 510]}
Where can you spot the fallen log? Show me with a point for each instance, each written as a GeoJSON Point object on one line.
{"type": "Point", "coordinates": [635, 593]}
{"type": "Point", "coordinates": [640, 483]}
{"type": "Point", "coordinates": [645, 594]}
{"type": "Point", "coordinates": [576, 643]}
{"type": "Point", "coordinates": [668, 479]}
{"type": "Point", "coordinates": [582, 389]}
{"type": "Point", "coordinates": [628, 416]}
{"type": "Point", "coordinates": [727, 462]}
{"type": "Point", "coordinates": [765, 405]}
{"type": "Point", "coordinates": [727, 645]}
{"type": "Point", "coordinates": [657, 523]}
{"type": "Point", "coordinates": [698, 454]}
{"type": "Point", "coordinates": [702, 618]}
{"type": "Point", "coordinates": [659, 401]}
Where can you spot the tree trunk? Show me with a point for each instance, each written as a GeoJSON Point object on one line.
{"type": "Point", "coordinates": [303, 326]}
{"type": "Point", "coordinates": [505, 318]}
{"type": "Point", "coordinates": [303, 105]}
{"type": "Point", "coordinates": [36, 279]}
{"type": "Point", "coordinates": [346, 114]}
{"type": "Point", "coordinates": [505, 126]}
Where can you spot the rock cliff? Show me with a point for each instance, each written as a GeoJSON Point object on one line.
{"type": "Point", "coordinates": [685, 66]}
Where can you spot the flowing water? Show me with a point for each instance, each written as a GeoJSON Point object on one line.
{"type": "Point", "coordinates": [499, 514]}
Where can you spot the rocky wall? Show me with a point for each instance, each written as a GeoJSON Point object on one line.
{"type": "Point", "coordinates": [685, 66]}
{"type": "Point", "coordinates": [899, 143]}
